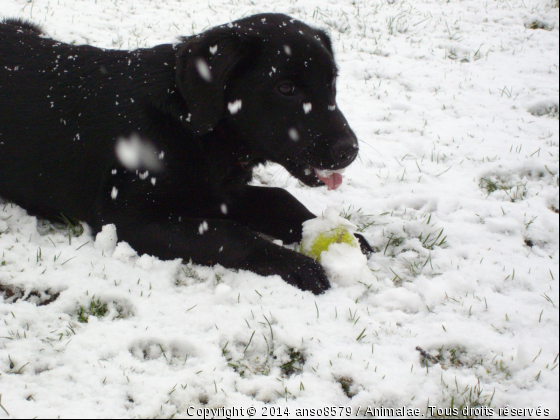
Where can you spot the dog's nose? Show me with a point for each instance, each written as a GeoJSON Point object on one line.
{"type": "Point", "coordinates": [344, 151]}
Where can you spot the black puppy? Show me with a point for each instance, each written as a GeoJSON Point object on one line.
{"type": "Point", "coordinates": [162, 141]}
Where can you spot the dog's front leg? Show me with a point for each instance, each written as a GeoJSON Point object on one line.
{"type": "Point", "coordinates": [272, 211]}
{"type": "Point", "coordinates": [275, 212]}
{"type": "Point", "coordinates": [212, 241]}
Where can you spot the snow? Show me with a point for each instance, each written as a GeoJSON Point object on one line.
{"type": "Point", "coordinates": [235, 106]}
{"type": "Point", "coordinates": [293, 133]}
{"type": "Point", "coordinates": [134, 153]}
{"type": "Point", "coordinates": [456, 108]}
{"type": "Point", "coordinates": [203, 70]}
{"type": "Point", "coordinates": [106, 240]}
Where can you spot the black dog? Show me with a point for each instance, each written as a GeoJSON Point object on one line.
{"type": "Point", "coordinates": [162, 141]}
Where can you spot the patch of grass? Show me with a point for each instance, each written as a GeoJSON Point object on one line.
{"type": "Point", "coordinates": [393, 242]}
{"type": "Point", "coordinates": [188, 272]}
{"type": "Point", "coordinates": [361, 220]}
{"type": "Point", "coordinates": [548, 109]}
{"type": "Point", "coordinates": [73, 226]}
{"type": "Point", "coordinates": [246, 359]}
{"type": "Point", "coordinates": [490, 186]}
{"type": "Point", "coordinates": [415, 267]}
{"type": "Point", "coordinates": [96, 308]}
{"type": "Point", "coordinates": [347, 384]}
{"type": "Point", "coordinates": [12, 294]}
{"type": "Point", "coordinates": [66, 225]}
{"type": "Point", "coordinates": [517, 192]}
{"type": "Point", "coordinates": [467, 403]}
{"type": "Point", "coordinates": [295, 365]}
{"type": "Point", "coordinates": [445, 357]}
{"type": "Point", "coordinates": [431, 240]}
{"type": "Point", "coordinates": [255, 365]}
{"type": "Point", "coordinates": [458, 358]}
{"type": "Point", "coordinates": [539, 24]}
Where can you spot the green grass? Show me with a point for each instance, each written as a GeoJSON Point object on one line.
{"type": "Point", "coordinates": [393, 242]}
{"type": "Point", "coordinates": [295, 365]}
{"type": "Point", "coordinates": [96, 308]}
{"type": "Point", "coordinates": [517, 192]}
{"type": "Point", "coordinates": [248, 359]}
{"type": "Point", "coordinates": [73, 226]}
{"type": "Point", "coordinates": [431, 240]}
{"type": "Point", "coordinates": [537, 24]}
{"type": "Point", "coordinates": [361, 220]}
{"type": "Point", "coordinates": [346, 384]}
{"type": "Point", "coordinates": [463, 403]}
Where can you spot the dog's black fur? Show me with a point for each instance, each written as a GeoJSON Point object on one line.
{"type": "Point", "coordinates": [64, 108]}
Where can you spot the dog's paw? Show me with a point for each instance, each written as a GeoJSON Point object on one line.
{"type": "Point", "coordinates": [296, 269]}
{"type": "Point", "coordinates": [308, 275]}
{"type": "Point", "coordinates": [366, 248]}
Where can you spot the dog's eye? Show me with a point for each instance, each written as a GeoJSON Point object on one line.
{"type": "Point", "coordinates": [287, 89]}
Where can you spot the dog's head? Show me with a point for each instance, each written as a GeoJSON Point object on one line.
{"type": "Point", "coordinates": [271, 79]}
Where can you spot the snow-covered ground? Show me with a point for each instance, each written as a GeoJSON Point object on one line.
{"type": "Point", "coordinates": [456, 106]}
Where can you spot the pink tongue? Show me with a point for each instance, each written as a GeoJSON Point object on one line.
{"type": "Point", "coordinates": [332, 182]}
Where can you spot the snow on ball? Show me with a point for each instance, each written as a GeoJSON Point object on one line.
{"type": "Point", "coordinates": [322, 242]}
{"type": "Point", "coordinates": [320, 233]}
{"type": "Point", "coordinates": [345, 265]}
{"type": "Point", "coordinates": [330, 240]}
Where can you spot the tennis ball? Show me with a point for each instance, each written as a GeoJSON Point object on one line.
{"type": "Point", "coordinates": [337, 235]}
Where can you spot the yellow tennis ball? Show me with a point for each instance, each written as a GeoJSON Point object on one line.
{"type": "Point", "coordinates": [338, 235]}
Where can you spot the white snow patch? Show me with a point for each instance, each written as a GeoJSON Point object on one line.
{"type": "Point", "coordinates": [235, 106]}
{"type": "Point", "coordinates": [203, 70]}
{"type": "Point", "coordinates": [124, 252]}
{"type": "Point", "coordinates": [135, 153]}
{"type": "Point", "coordinates": [203, 228]}
{"type": "Point", "coordinates": [294, 134]}
{"type": "Point", "coordinates": [106, 240]}
{"type": "Point", "coordinates": [307, 107]}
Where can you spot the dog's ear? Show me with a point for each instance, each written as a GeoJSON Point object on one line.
{"type": "Point", "coordinates": [326, 40]}
{"type": "Point", "coordinates": [204, 65]}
